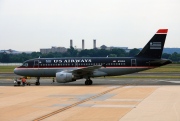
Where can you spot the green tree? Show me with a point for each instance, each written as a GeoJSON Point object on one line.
{"type": "Point", "coordinates": [112, 55]}
{"type": "Point", "coordinates": [101, 53]}
{"type": "Point", "coordinates": [118, 52]}
{"type": "Point", "coordinates": [49, 55]}
{"type": "Point", "coordinates": [175, 57]}
{"type": "Point", "coordinates": [5, 58]}
{"type": "Point", "coordinates": [36, 54]}
{"type": "Point", "coordinates": [84, 53]}
{"type": "Point", "coordinates": [0, 57]}
{"type": "Point", "coordinates": [71, 52]}
{"type": "Point", "coordinates": [166, 55]}
{"type": "Point", "coordinates": [133, 52]}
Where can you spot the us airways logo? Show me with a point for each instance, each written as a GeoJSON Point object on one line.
{"type": "Point", "coordinates": [155, 45]}
{"type": "Point", "coordinates": [73, 61]}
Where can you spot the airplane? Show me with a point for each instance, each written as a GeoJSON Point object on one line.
{"type": "Point", "coordinates": [73, 68]}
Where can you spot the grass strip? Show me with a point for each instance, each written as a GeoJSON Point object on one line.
{"type": "Point", "coordinates": [7, 69]}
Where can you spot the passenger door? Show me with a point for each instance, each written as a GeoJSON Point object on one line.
{"type": "Point", "coordinates": [36, 64]}
{"type": "Point", "coordinates": [133, 62]}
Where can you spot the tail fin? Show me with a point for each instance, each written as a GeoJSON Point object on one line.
{"type": "Point", "coordinates": [154, 47]}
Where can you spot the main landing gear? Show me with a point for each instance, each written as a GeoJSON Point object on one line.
{"type": "Point", "coordinates": [88, 82]}
{"type": "Point", "coordinates": [37, 81]}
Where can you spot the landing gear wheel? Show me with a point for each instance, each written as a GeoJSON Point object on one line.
{"type": "Point", "coordinates": [88, 82]}
{"type": "Point", "coordinates": [37, 83]}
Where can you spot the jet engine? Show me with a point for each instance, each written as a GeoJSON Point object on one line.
{"type": "Point", "coordinates": [63, 77]}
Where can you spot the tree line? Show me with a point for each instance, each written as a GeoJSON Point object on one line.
{"type": "Point", "coordinates": [19, 58]}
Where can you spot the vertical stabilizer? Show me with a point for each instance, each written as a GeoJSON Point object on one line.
{"type": "Point", "coordinates": [154, 48]}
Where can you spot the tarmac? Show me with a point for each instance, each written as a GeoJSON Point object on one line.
{"type": "Point", "coordinates": [108, 99]}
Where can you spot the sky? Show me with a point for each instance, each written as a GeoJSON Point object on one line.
{"type": "Point", "coordinates": [28, 25]}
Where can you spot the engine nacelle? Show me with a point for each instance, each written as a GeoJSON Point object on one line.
{"type": "Point", "coordinates": [62, 77]}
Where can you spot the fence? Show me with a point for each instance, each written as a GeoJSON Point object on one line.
{"type": "Point", "coordinates": [10, 64]}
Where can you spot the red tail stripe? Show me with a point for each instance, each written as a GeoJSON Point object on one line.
{"type": "Point", "coordinates": [162, 31]}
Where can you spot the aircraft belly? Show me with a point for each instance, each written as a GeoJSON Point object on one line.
{"type": "Point", "coordinates": [35, 72]}
{"type": "Point", "coordinates": [49, 72]}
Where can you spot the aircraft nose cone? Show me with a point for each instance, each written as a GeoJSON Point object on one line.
{"type": "Point", "coordinates": [15, 71]}
{"type": "Point", "coordinates": [18, 71]}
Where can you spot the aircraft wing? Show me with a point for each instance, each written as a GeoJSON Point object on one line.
{"type": "Point", "coordinates": [86, 70]}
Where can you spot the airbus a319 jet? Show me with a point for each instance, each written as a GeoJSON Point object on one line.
{"type": "Point", "coordinates": [71, 69]}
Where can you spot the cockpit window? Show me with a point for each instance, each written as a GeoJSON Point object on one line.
{"type": "Point", "coordinates": [25, 64]}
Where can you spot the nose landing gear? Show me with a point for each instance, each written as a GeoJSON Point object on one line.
{"type": "Point", "coordinates": [37, 81]}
